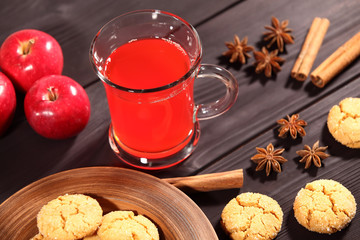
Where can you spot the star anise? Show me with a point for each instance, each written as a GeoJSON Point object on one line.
{"type": "Point", "coordinates": [265, 61]}
{"type": "Point", "coordinates": [294, 125]}
{"type": "Point", "coordinates": [279, 33]}
{"type": "Point", "coordinates": [314, 154]}
{"type": "Point", "coordinates": [238, 50]}
{"type": "Point", "coordinates": [270, 158]}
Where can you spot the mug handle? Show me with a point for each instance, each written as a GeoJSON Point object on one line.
{"type": "Point", "coordinates": [220, 106]}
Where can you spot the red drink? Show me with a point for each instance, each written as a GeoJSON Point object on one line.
{"type": "Point", "coordinates": [160, 121]}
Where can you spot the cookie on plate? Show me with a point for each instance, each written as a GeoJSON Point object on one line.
{"type": "Point", "coordinates": [38, 237]}
{"type": "Point", "coordinates": [92, 237]}
{"type": "Point", "coordinates": [344, 122]}
{"type": "Point", "coordinates": [126, 225]}
{"type": "Point", "coordinates": [324, 206]}
{"type": "Point", "coordinates": [252, 216]}
{"type": "Point", "coordinates": [69, 217]}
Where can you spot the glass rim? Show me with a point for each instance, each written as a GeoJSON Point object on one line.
{"type": "Point", "coordinates": [192, 69]}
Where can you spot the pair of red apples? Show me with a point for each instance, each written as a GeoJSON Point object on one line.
{"type": "Point", "coordinates": [56, 106]}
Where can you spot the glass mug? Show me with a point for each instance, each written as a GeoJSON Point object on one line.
{"type": "Point", "coordinates": [148, 61]}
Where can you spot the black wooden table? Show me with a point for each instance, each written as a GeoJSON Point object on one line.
{"type": "Point", "coordinates": [227, 142]}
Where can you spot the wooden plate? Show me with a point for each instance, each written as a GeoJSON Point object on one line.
{"type": "Point", "coordinates": [175, 214]}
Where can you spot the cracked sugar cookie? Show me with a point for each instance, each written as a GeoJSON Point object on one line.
{"type": "Point", "coordinates": [69, 217]}
{"type": "Point", "coordinates": [324, 206]}
{"type": "Point", "coordinates": [92, 237]}
{"type": "Point", "coordinates": [126, 225]}
{"type": "Point", "coordinates": [252, 216]}
{"type": "Point", "coordinates": [38, 237]}
{"type": "Point", "coordinates": [344, 122]}
{"type": "Point", "coordinates": [41, 237]}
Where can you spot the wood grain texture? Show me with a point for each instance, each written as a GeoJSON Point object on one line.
{"type": "Point", "coordinates": [343, 166]}
{"type": "Point", "coordinates": [262, 101]}
{"type": "Point", "coordinates": [226, 142]}
{"type": "Point", "coordinates": [75, 23]}
{"type": "Point", "coordinates": [174, 214]}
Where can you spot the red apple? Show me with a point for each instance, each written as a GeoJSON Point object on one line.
{"type": "Point", "coordinates": [7, 102]}
{"type": "Point", "coordinates": [57, 107]}
{"type": "Point", "coordinates": [28, 55]}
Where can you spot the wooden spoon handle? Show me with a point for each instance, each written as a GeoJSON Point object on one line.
{"type": "Point", "coordinates": [209, 182]}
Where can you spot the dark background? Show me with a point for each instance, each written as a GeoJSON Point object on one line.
{"type": "Point", "coordinates": [227, 142]}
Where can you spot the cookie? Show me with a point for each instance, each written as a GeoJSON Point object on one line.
{"type": "Point", "coordinates": [324, 206]}
{"type": "Point", "coordinates": [127, 225]}
{"type": "Point", "coordinates": [38, 237]}
{"type": "Point", "coordinates": [69, 217]}
{"type": "Point", "coordinates": [344, 122]}
{"type": "Point", "coordinates": [252, 216]}
{"type": "Point", "coordinates": [92, 237]}
{"type": "Point", "coordinates": [41, 237]}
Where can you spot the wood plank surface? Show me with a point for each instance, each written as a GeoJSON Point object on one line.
{"type": "Point", "coordinates": [226, 142]}
{"type": "Point", "coordinates": [262, 101]}
{"type": "Point", "coordinates": [75, 23]}
{"type": "Point", "coordinates": [343, 166]}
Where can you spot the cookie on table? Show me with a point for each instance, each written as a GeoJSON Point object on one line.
{"type": "Point", "coordinates": [252, 216]}
{"type": "Point", "coordinates": [69, 217]}
{"type": "Point", "coordinates": [344, 122]}
{"type": "Point", "coordinates": [126, 225]}
{"type": "Point", "coordinates": [324, 206]}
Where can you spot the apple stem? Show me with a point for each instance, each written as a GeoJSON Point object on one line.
{"type": "Point", "coordinates": [52, 94]}
{"type": "Point", "coordinates": [27, 46]}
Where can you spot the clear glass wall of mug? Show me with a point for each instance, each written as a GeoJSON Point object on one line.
{"type": "Point", "coordinates": [148, 61]}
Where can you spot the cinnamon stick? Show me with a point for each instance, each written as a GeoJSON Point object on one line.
{"type": "Point", "coordinates": [209, 182]}
{"type": "Point", "coordinates": [336, 62]}
{"type": "Point", "coordinates": [310, 48]}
